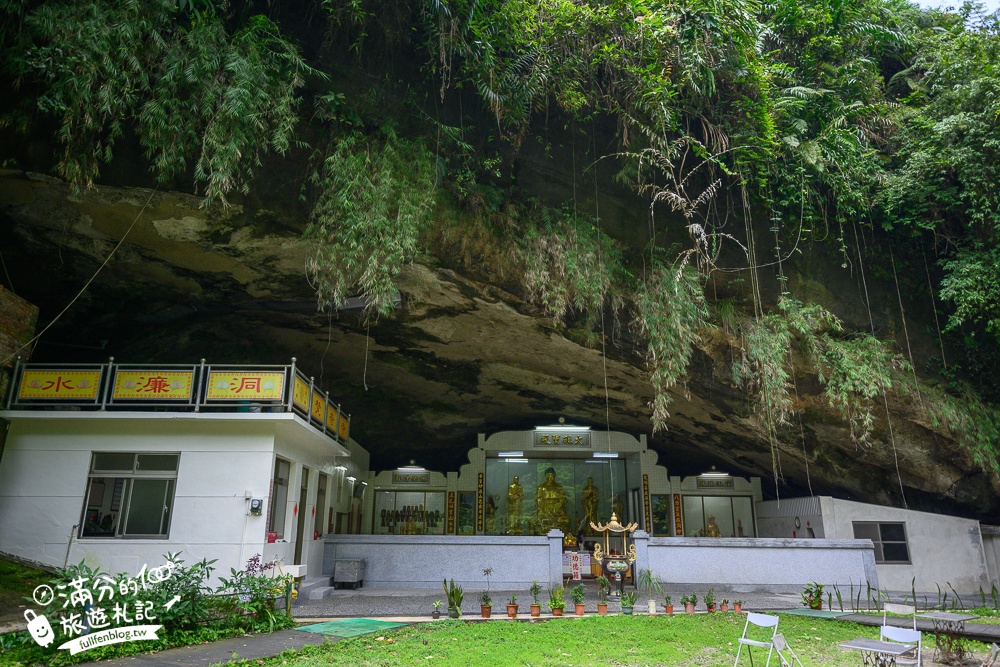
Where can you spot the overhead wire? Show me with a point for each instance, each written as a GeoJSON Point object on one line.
{"type": "Point", "coordinates": [87, 284]}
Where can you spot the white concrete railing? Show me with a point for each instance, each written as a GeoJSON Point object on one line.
{"type": "Point", "coordinates": [423, 561]}
{"type": "Point", "coordinates": [757, 563]}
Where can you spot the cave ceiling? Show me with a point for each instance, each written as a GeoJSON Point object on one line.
{"type": "Point", "coordinates": [461, 355]}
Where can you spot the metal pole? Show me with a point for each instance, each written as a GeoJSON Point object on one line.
{"type": "Point", "coordinates": [13, 381]}
{"type": "Point", "coordinates": [291, 387]}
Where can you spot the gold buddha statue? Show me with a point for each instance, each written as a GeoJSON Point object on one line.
{"type": "Point", "coordinates": [550, 500]}
{"type": "Point", "coordinates": [590, 497]}
{"type": "Point", "coordinates": [515, 497]}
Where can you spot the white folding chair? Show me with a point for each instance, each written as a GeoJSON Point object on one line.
{"type": "Point", "coordinates": [903, 636]}
{"type": "Point", "coordinates": [758, 621]}
{"type": "Point", "coordinates": [901, 609]}
{"type": "Point", "coordinates": [781, 646]}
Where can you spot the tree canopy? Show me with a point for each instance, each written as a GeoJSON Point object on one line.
{"type": "Point", "coordinates": [806, 121]}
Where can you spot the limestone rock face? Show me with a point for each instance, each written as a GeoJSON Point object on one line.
{"type": "Point", "coordinates": [459, 357]}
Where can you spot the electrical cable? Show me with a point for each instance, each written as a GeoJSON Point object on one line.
{"type": "Point", "coordinates": [87, 284]}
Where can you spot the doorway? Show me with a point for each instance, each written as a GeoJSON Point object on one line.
{"type": "Point", "coordinates": [300, 528]}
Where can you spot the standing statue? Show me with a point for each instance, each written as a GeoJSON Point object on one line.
{"type": "Point", "coordinates": [619, 508]}
{"type": "Point", "coordinates": [515, 497]}
{"type": "Point", "coordinates": [550, 499]}
{"type": "Point", "coordinates": [712, 530]}
{"type": "Point", "coordinates": [591, 499]}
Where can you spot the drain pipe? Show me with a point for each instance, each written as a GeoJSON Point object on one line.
{"type": "Point", "coordinates": [69, 545]}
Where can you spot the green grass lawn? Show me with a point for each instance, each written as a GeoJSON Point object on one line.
{"type": "Point", "coordinates": [705, 640]}
{"type": "Point", "coordinates": [18, 580]}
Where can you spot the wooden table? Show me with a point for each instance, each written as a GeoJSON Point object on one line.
{"type": "Point", "coordinates": [875, 653]}
{"type": "Point", "coordinates": [948, 631]}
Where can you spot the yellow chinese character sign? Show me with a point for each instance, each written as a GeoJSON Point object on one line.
{"type": "Point", "coordinates": [240, 386]}
{"type": "Point", "coordinates": [300, 396]}
{"type": "Point", "coordinates": [56, 384]}
{"type": "Point", "coordinates": [319, 407]}
{"type": "Point", "coordinates": [153, 385]}
{"type": "Point", "coordinates": [331, 418]}
{"type": "Point", "coordinates": [345, 427]}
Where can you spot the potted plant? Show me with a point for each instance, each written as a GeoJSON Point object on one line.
{"type": "Point", "coordinates": [651, 585]}
{"type": "Point", "coordinates": [689, 601]}
{"type": "Point", "coordinates": [812, 596]}
{"type": "Point", "coordinates": [485, 604]}
{"type": "Point", "coordinates": [738, 605]}
{"type": "Point", "coordinates": [454, 594]}
{"type": "Point", "coordinates": [578, 592]}
{"type": "Point", "coordinates": [628, 601]}
{"type": "Point", "coordinates": [603, 584]}
{"type": "Point", "coordinates": [536, 607]}
{"type": "Point", "coordinates": [485, 601]}
{"type": "Point", "coordinates": [436, 614]}
{"type": "Point", "coordinates": [557, 600]}
{"type": "Point", "coordinates": [724, 606]}
{"type": "Point", "coordinates": [668, 605]}
{"type": "Point", "coordinates": [512, 606]}
{"type": "Point", "coordinates": [710, 600]}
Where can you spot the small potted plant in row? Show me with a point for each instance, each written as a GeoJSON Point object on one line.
{"type": "Point", "coordinates": [628, 601]}
{"type": "Point", "coordinates": [603, 584]}
{"type": "Point", "coordinates": [668, 605]}
{"type": "Point", "coordinates": [689, 601]}
{"type": "Point", "coordinates": [738, 605]}
{"type": "Point", "coordinates": [724, 605]}
{"type": "Point", "coordinates": [536, 607]}
{"type": "Point", "coordinates": [557, 600]}
{"type": "Point", "coordinates": [485, 601]}
{"type": "Point", "coordinates": [710, 600]}
{"type": "Point", "coordinates": [578, 592]}
{"type": "Point", "coordinates": [455, 595]}
{"type": "Point", "coordinates": [812, 596]}
{"type": "Point", "coordinates": [436, 614]}
{"type": "Point", "coordinates": [512, 606]}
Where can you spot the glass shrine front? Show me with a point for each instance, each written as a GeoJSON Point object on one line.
{"type": "Point", "coordinates": [533, 496]}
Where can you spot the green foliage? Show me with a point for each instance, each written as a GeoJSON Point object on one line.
{"type": "Point", "coordinates": [571, 267]}
{"type": "Point", "coordinates": [853, 370]}
{"type": "Point", "coordinates": [454, 594]}
{"type": "Point", "coordinates": [670, 311]}
{"type": "Point", "coordinates": [199, 614]}
{"type": "Point", "coordinates": [649, 583]}
{"type": "Point", "coordinates": [557, 597]}
{"type": "Point", "coordinates": [375, 195]}
{"type": "Point", "coordinates": [578, 593]}
{"type": "Point", "coordinates": [255, 589]}
{"type": "Point", "coordinates": [975, 424]}
{"type": "Point", "coordinates": [628, 598]}
{"type": "Point", "coordinates": [202, 101]}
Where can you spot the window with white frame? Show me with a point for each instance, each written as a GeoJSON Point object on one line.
{"type": "Point", "coordinates": [279, 497]}
{"type": "Point", "coordinates": [129, 495]}
{"type": "Point", "coordinates": [888, 537]}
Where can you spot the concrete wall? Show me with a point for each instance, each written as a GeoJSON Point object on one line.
{"type": "Point", "coordinates": [991, 549]}
{"type": "Point", "coordinates": [423, 561]}
{"type": "Point", "coordinates": [944, 550]}
{"type": "Point", "coordinates": [795, 517]}
{"type": "Point", "coordinates": [757, 564]}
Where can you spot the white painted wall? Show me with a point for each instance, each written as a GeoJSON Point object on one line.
{"type": "Point", "coordinates": [757, 564]}
{"type": "Point", "coordinates": [991, 548]}
{"type": "Point", "coordinates": [944, 550]}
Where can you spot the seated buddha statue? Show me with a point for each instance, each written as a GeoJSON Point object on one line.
{"type": "Point", "coordinates": [550, 501]}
